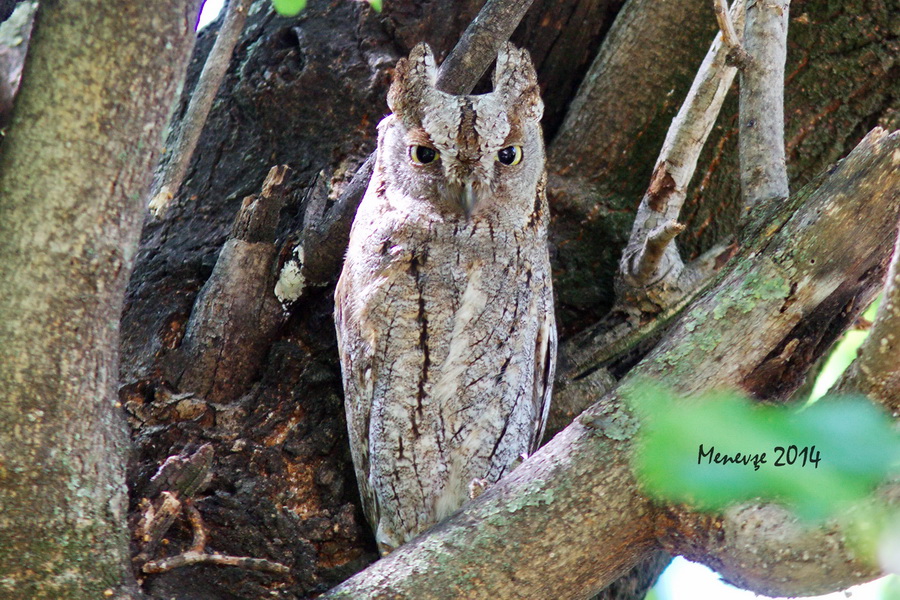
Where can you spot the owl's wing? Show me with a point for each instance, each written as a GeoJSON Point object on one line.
{"type": "Point", "coordinates": [356, 367]}
{"type": "Point", "coordinates": [544, 372]}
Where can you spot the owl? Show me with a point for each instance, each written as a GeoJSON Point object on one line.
{"type": "Point", "coordinates": [444, 308]}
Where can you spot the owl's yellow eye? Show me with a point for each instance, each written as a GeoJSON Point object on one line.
{"type": "Point", "coordinates": [422, 155]}
{"type": "Point", "coordinates": [511, 155]}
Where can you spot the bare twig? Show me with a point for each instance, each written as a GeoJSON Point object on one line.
{"type": "Point", "coordinates": [479, 44]}
{"type": "Point", "coordinates": [317, 259]}
{"type": "Point", "coordinates": [651, 267]}
{"type": "Point", "coordinates": [737, 56]}
{"type": "Point", "coordinates": [170, 180]}
{"type": "Point", "coordinates": [876, 371]}
{"type": "Point", "coordinates": [155, 523]}
{"type": "Point", "coordinates": [761, 145]}
{"type": "Point", "coordinates": [196, 554]}
{"type": "Point", "coordinates": [196, 521]}
{"type": "Point", "coordinates": [191, 557]}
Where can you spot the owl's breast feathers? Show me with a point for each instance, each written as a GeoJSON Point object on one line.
{"type": "Point", "coordinates": [448, 343]}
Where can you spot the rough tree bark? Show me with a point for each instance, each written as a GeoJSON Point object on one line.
{"type": "Point", "coordinates": [307, 92]}
{"type": "Point", "coordinates": [76, 162]}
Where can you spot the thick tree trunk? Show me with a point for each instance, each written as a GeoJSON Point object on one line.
{"type": "Point", "coordinates": [308, 92]}
{"type": "Point", "coordinates": [74, 169]}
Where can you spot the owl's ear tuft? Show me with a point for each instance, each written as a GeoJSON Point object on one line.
{"type": "Point", "coordinates": [413, 77]}
{"type": "Point", "coordinates": [515, 80]}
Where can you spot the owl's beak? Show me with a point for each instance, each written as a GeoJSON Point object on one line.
{"type": "Point", "coordinates": [467, 198]}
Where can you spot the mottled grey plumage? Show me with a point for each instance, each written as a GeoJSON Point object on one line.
{"type": "Point", "coordinates": [444, 309]}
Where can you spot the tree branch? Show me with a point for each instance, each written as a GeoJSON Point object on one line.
{"type": "Point", "coordinates": [579, 488]}
{"type": "Point", "coordinates": [737, 56]}
{"type": "Point", "coordinates": [182, 149]}
{"type": "Point", "coordinates": [318, 257]}
{"type": "Point", "coordinates": [876, 370]}
{"type": "Point", "coordinates": [74, 172]}
{"type": "Point", "coordinates": [479, 44]}
{"type": "Point", "coordinates": [652, 276]}
{"type": "Point", "coordinates": [761, 144]}
{"type": "Point", "coordinates": [651, 266]}
{"type": "Point", "coordinates": [196, 555]}
{"type": "Point", "coordinates": [186, 559]}
{"type": "Point", "coordinates": [766, 549]}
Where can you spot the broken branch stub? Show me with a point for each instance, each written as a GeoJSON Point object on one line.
{"type": "Point", "coordinates": [652, 275]}
{"type": "Point", "coordinates": [236, 314]}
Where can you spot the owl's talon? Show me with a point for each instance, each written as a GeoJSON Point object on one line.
{"type": "Point", "coordinates": [477, 487]}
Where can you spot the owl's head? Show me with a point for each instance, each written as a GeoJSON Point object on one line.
{"type": "Point", "coordinates": [469, 155]}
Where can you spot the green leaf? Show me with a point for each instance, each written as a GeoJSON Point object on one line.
{"type": "Point", "coordinates": [376, 5]}
{"type": "Point", "coordinates": [719, 449]}
{"type": "Point", "coordinates": [289, 8]}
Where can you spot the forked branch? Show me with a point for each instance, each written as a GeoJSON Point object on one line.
{"type": "Point", "coordinates": [737, 56]}
{"type": "Point", "coordinates": [651, 271]}
{"type": "Point", "coordinates": [197, 555]}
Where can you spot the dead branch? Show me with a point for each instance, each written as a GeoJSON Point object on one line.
{"type": "Point", "coordinates": [761, 144]}
{"type": "Point", "coordinates": [189, 558]}
{"type": "Point", "coordinates": [479, 44]}
{"type": "Point", "coordinates": [236, 312]}
{"type": "Point", "coordinates": [650, 260]}
{"type": "Point", "coordinates": [317, 259]}
{"type": "Point", "coordinates": [754, 311]}
{"type": "Point", "coordinates": [196, 554]}
{"type": "Point", "coordinates": [876, 370]}
{"type": "Point", "coordinates": [737, 56]}
{"type": "Point", "coordinates": [156, 520]}
{"type": "Point", "coordinates": [182, 150]}
{"type": "Point", "coordinates": [197, 527]}
{"type": "Point", "coordinates": [652, 276]}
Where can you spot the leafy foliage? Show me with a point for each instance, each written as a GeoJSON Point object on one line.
{"type": "Point", "coordinates": [718, 449]}
{"type": "Point", "coordinates": [289, 8]}
{"type": "Point", "coordinates": [292, 8]}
